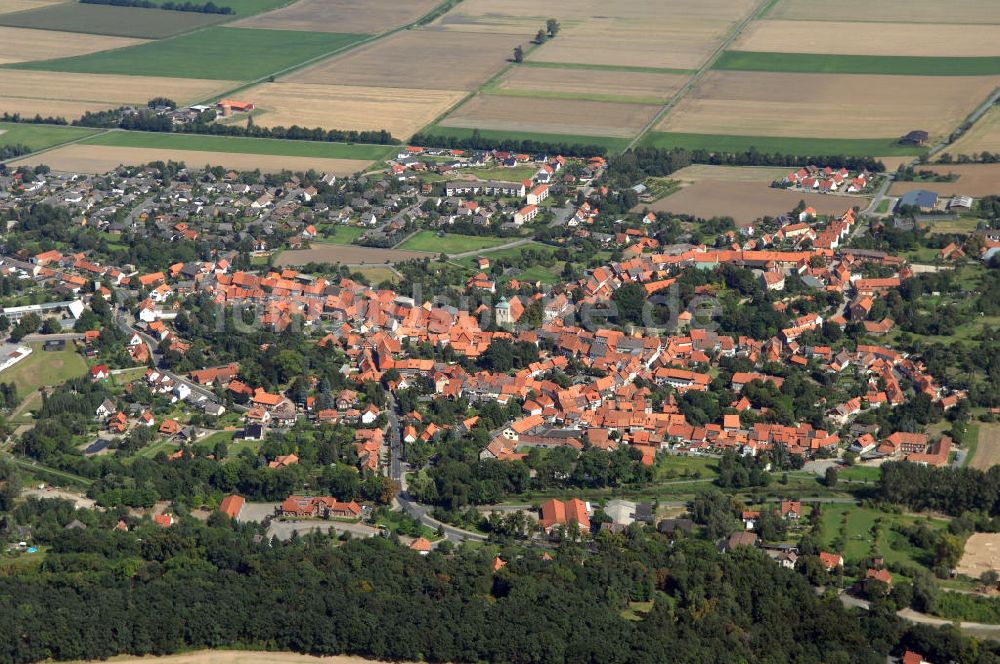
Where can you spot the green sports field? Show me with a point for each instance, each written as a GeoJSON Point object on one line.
{"type": "Point", "coordinates": [241, 145]}
{"type": "Point", "coordinates": [227, 54]}
{"type": "Point", "coordinates": [859, 147]}
{"type": "Point", "coordinates": [39, 137]}
{"type": "Point", "coordinates": [857, 64]}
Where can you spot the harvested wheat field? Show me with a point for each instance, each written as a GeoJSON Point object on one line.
{"type": "Point", "coordinates": [239, 657]}
{"type": "Point", "coordinates": [11, 6]}
{"type": "Point", "coordinates": [676, 34]}
{"type": "Point", "coordinates": [982, 553]}
{"type": "Point", "coordinates": [25, 44]}
{"type": "Point", "coordinates": [624, 84]}
{"type": "Point", "coordinates": [70, 95]}
{"type": "Point", "coordinates": [866, 38]}
{"type": "Point", "coordinates": [826, 105]}
{"type": "Point", "coordinates": [983, 136]}
{"type": "Point", "coordinates": [416, 59]}
{"type": "Point", "coordinates": [81, 158]}
{"type": "Point", "coordinates": [357, 16]}
{"type": "Point", "coordinates": [891, 11]}
{"type": "Point", "coordinates": [973, 180]}
{"type": "Point", "coordinates": [703, 172]}
{"type": "Point", "coordinates": [748, 201]}
{"type": "Point", "coordinates": [552, 116]}
{"type": "Point", "coordinates": [988, 450]}
{"type": "Point", "coordinates": [400, 111]}
{"type": "Point", "coordinates": [893, 163]}
{"type": "Point", "coordinates": [348, 255]}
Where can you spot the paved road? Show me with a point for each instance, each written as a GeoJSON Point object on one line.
{"type": "Point", "coordinates": [880, 193]}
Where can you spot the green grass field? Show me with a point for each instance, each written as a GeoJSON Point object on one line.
{"type": "Point", "coordinates": [858, 147]}
{"type": "Point", "coordinates": [39, 137]}
{"type": "Point", "coordinates": [231, 54]}
{"type": "Point", "coordinates": [859, 474]}
{"type": "Point", "coordinates": [609, 143]}
{"type": "Point", "coordinates": [580, 96]}
{"type": "Point", "coordinates": [44, 369]}
{"type": "Point", "coordinates": [341, 234]}
{"type": "Point", "coordinates": [240, 144]}
{"type": "Point", "coordinates": [859, 544]}
{"type": "Point", "coordinates": [451, 243]}
{"type": "Point", "coordinates": [857, 64]}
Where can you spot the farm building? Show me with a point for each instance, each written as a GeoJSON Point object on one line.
{"type": "Point", "coordinates": [920, 198]}
{"type": "Point", "coordinates": [915, 137]}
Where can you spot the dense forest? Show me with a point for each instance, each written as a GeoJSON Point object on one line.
{"type": "Point", "coordinates": [101, 591]}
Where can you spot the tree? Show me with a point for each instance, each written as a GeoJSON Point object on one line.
{"type": "Point", "coordinates": [540, 36]}
{"type": "Point", "coordinates": [831, 477]}
{"type": "Point", "coordinates": [552, 26]}
{"type": "Point", "coordinates": [518, 54]}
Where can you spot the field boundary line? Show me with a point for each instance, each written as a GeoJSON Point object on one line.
{"type": "Point", "coordinates": [734, 34]}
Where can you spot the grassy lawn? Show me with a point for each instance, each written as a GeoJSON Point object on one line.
{"type": "Point", "coordinates": [965, 225]}
{"type": "Point", "coordinates": [859, 474]}
{"type": "Point", "coordinates": [39, 137]}
{"type": "Point", "coordinates": [229, 54]}
{"type": "Point", "coordinates": [883, 206]}
{"type": "Point", "coordinates": [971, 442]}
{"type": "Point", "coordinates": [151, 450]}
{"type": "Point", "coordinates": [240, 145]}
{"type": "Point", "coordinates": [609, 143]}
{"type": "Point", "coordinates": [376, 275]}
{"type": "Point", "coordinates": [510, 252]}
{"type": "Point", "coordinates": [341, 234]}
{"type": "Point", "coordinates": [857, 147]}
{"type": "Point", "coordinates": [503, 173]}
{"type": "Point", "coordinates": [676, 467]}
{"type": "Point", "coordinates": [857, 64]}
{"type": "Point", "coordinates": [451, 243]}
{"type": "Point", "coordinates": [539, 273]}
{"type": "Point", "coordinates": [859, 542]}
{"type": "Point", "coordinates": [42, 369]}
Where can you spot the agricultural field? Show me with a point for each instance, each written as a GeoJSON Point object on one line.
{"type": "Point", "coordinates": [402, 112]}
{"type": "Point", "coordinates": [40, 137]}
{"type": "Point", "coordinates": [348, 255]}
{"type": "Point", "coordinates": [11, 6]}
{"type": "Point", "coordinates": [813, 105]}
{"type": "Point", "coordinates": [988, 448]}
{"type": "Point", "coordinates": [420, 59]}
{"type": "Point", "coordinates": [984, 136]}
{"type": "Point", "coordinates": [822, 63]}
{"type": "Point", "coordinates": [890, 11]}
{"type": "Point", "coordinates": [784, 144]}
{"type": "Point", "coordinates": [451, 243]}
{"type": "Point", "coordinates": [763, 175]}
{"type": "Point", "coordinates": [83, 158]}
{"type": "Point", "coordinates": [24, 44]}
{"type": "Point", "coordinates": [747, 201]}
{"type": "Point", "coordinates": [215, 53]}
{"type": "Point", "coordinates": [364, 16]}
{"type": "Point", "coordinates": [982, 553]}
{"type": "Point", "coordinates": [111, 21]}
{"type": "Point", "coordinates": [552, 116]}
{"type": "Point", "coordinates": [594, 84]}
{"type": "Point", "coordinates": [870, 39]}
{"type": "Point", "coordinates": [42, 369]}
{"type": "Point", "coordinates": [642, 33]}
{"type": "Point", "coordinates": [243, 145]}
{"type": "Point", "coordinates": [973, 180]}
{"type": "Point", "coordinates": [66, 95]}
